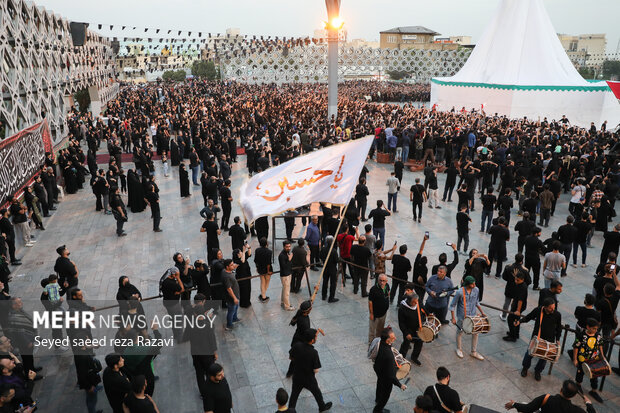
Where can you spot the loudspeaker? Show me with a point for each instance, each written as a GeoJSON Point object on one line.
{"type": "Point", "coordinates": [78, 33]}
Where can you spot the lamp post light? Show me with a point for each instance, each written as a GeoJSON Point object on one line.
{"type": "Point", "coordinates": [333, 24]}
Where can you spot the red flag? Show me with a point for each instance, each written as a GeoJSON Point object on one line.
{"type": "Point", "coordinates": [615, 87]}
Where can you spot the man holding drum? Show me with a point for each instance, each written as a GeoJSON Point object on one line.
{"type": "Point", "coordinates": [410, 319]}
{"type": "Point", "coordinates": [385, 368]}
{"type": "Point", "coordinates": [548, 327]}
{"type": "Point", "coordinates": [465, 302]}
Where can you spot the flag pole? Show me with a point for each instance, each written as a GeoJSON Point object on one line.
{"type": "Point", "coordinates": [329, 253]}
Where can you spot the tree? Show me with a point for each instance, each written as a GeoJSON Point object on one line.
{"type": "Point", "coordinates": [611, 69]}
{"type": "Point", "coordinates": [205, 69]}
{"type": "Point", "coordinates": [176, 75]}
{"type": "Point", "coordinates": [82, 97]}
{"type": "Point", "coordinates": [586, 72]}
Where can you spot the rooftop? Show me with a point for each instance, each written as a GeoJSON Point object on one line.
{"type": "Point", "coordinates": [411, 30]}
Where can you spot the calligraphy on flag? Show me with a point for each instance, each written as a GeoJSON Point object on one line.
{"type": "Point", "coordinates": [21, 157]}
{"type": "Point", "coordinates": [326, 175]}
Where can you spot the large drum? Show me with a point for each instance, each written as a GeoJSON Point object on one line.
{"type": "Point", "coordinates": [477, 324]}
{"type": "Point", "coordinates": [402, 364]}
{"type": "Point", "coordinates": [544, 349]}
{"type": "Point", "coordinates": [430, 328]}
{"type": "Point", "coordinates": [596, 368]}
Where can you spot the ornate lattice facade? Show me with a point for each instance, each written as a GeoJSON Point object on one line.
{"type": "Point", "coordinates": [40, 67]}
{"type": "Point", "coordinates": [309, 64]}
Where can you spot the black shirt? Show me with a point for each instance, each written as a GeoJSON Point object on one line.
{"type": "Point", "coordinates": [533, 247]}
{"type": "Point", "coordinates": [378, 217]}
{"type": "Point", "coordinates": [418, 192]}
{"type": "Point", "coordinates": [211, 228]}
{"type": "Point", "coordinates": [402, 266]}
{"type": "Point", "coordinates": [555, 404]}
{"type": "Point", "coordinates": [153, 199]}
{"type": "Point", "coordinates": [582, 314]}
{"type": "Point", "coordinates": [65, 268]}
{"type": "Point", "coordinates": [499, 235]}
{"type": "Point", "coordinates": [525, 227]}
{"type": "Point", "coordinates": [504, 202]}
{"type": "Point", "coordinates": [237, 235]}
{"type": "Point", "coordinates": [464, 198]}
{"type": "Point", "coordinates": [262, 260]}
{"type": "Point", "coordinates": [305, 361]}
{"type": "Point", "coordinates": [380, 300]}
{"type": "Point", "coordinates": [217, 397]}
{"type": "Point", "coordinates": [117, 386]}
{"type": "Point", "coordinates": [551, 324]}
{"type": "Point", "coordinates": [331, 265]}
{"type": "Point", "coordinates": [519, 294]}
{"type": "Point", "coordinates": [488, 202]}
{"type": "Point", "coordinates": [136, 405]}
{"type": "Point", "coordinates": [449, 397]}
{"type": "Point", "coordinates": [361, 255]}
{"type": "Point", "coordinates": [547, 293]}
{"type": "Point", "coordinates": [583, 228]}
{"type": "Point", "coordinates": [462, 223]}
{"type": "Point", "coordinates": [599, 285]}
{"type": "Point", "coordinates": [607, 306]}
{"type": "Point", "coordinates": [285, 264]}
{"type": "Point", "coordinates": [567, 234]}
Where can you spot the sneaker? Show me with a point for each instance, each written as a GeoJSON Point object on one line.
{"type": "Point", "coordinates": [510, 339]}
{"type": "Point", "coordinates": [333, 300]}
{"type": "Point", "coordinates": [437, 207]}
{"type": "Point", "coordinates": [459, 353]}
{"type": "Point", "coordinates": [327, 406]}
{"type": "Point", "coordinates": [596, 396]}
{"type": "Point", "coordinates": [30, 244]}
{"type": "Point", "coordinates": [291, 308]}
{"type": "Point", "coordinates": [265, 300]}
{"type": "Point", "coordinates": [503, 317]}
{"type": "Point", "coordinates": [537, 376]}
{"type": "Point", "coordinates": [416, 362]}
{"type": "Point", "coordinates": [477, 355]}
{"type": "Point", "coordinates": [523, 372]}
{"type": "Point", "coordinates": [237, 320]}
{"type": "Point", "coordinates": [228, 328]}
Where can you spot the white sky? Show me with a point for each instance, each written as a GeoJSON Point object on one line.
{"type": "Point", "coordinates": [364, 18]}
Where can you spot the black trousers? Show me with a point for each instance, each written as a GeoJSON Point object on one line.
{"type": "Point", "coordinates": [382, 395]}
{"type": "Point", "coordinates": [534, 265]}
{"type": "Point", "coordinates": [361, 206]}
{"type": "Point", "coordinates": [296, 278]}
{"type": "Point", "coordinates": [418, 205]}
{"type": "Point", "coordinates": [332, 280]}
{"type": "Point", "coordinates": [10, 242]}
{"type": "Point", "coordinates": [174, 309]}
{"type": "Point", "coordinates": [417, 347]}
{"type": "Point", "coordinates": [513, 331]}
{"type": "Point", "coordinates": [440, 313]}
{"type": "Point", "coordinates": [360, 274]}
{"type": "Point", "coordinates": [156, 218]}
{"type": "Point", "coordinates": [28, 362]}
{"type": "Point", "coordinates": [310, 384]}
{"type": "Point", "coordinates": [314, 255]}
{"type": "Point", "coordinates": [225, 215]}
{"type": "Point", "coordinates": [201, 365]}
{"type": "Point", "coordinates": [399, 285]}
{"type": "Point", "coordinates": [98, 203]}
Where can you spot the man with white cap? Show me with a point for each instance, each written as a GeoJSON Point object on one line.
{"type": "Point", "coordinates": [465, 303]}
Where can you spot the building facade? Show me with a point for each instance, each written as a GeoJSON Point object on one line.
{"type": "Point", "coordinates": [584, 50]}
{"type": "Point", "coordinates": [413, 37]}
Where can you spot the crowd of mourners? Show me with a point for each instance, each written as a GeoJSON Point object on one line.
{"type": "Point", "coordinates": [200, 128]}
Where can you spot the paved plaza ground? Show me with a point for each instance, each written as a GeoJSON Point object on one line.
{"type": "Point", "coordinates": [255, 355]}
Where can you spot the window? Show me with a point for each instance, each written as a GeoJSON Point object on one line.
{"type": "Point", "coordinates": [391, 39]}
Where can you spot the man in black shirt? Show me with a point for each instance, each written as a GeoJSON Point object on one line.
{"type": "Point", "coordinates": [500, 235]}
{"type": "Point", "coordinates": [582, 313]}
{"type": "Point", "coordinates": [552, 292]}
{"type": "Point", "coordinates": [385, 368]}
{"type": "Point", "coordinates": [213, 231]}
{"type": "Point", "coordinates": [488, 204]}
{"type": "Point", "coordinates": [505, 203]}
{"type": "Point", "coordinates": [118, 210]}
{"type": "Point", "coordinates": [519, 304]}
{"type": "Point", "coordinates": [443, 259]}
{"type": "Point", "coordinates": [7, 234]}
{"type": "Point", "coordinates": [115, 382]}
{"type": "Point", "coordinates": [378, 220]}
{"type": "Point", "coordinates": [361, 256]}
{"type": "Point", "coordinates": [361, 197]}
{"type": "Point", "coordinates": [410, 319]}
{"type": "Point", "coordinates": [152, 199]}
{"type": "Point", "coordinates": [417, 196]}
{"type": "Point", "coordinates": [556, 403]}
{"type": "Point", "coordinates": [237, 234]}
{"type": "Point", "coordinates": [462, 228]}
{"type": "Point", "coordinates": [442, 394]}
{"type": "Point", "coordinates": [378, 304]}
{"type": "Point", "coordinates": [217, 397]}
{"type": "Point", "coordinates": [524, 228]}
{"type": "Point", "coordinates": [226, 198]}
{"type": "Point", "coordinates": [198, 275]}
{"type": "Point", "coordinates": [548, 326]}
{"type": "Point", "coordinates": [607, 306]}
{"type": "Point", "coordinates": [284, 260]}
{"type": "Point", "coordinates": [567, 234]}
{"type": "Point", "coordinates": [611, 243]}
{"type": "Point", "coordinates": [306, 364]}
{"type": "Point", "coordinates": [401, 266]}
{"type": "Point", "coordinates": [262, 260]}
{"type": "Point", "coordinates": [509, 276]}
{"type": "Point", "coordinates": [330, 274]}
{"type": "Point", "coordinates": [534, 248]}
{"type": "Point", "coordinates": [66, 269]}
{"type": "Point", "coordinates": [583, 228]}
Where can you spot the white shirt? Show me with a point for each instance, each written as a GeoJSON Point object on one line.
{"type": "Point", "coordinates": [580, 191]}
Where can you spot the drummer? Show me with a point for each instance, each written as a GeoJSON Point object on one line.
{"type": "Point", "coordinates": [550, 330]}
{"type": "Point", "coordinates": [465, 302]}
{"type": "Point", "coordinates": [587, 347]}
{"type": "Point", "coordinates": [410, 319]}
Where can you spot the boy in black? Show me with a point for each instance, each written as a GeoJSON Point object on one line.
{"type": "Point", "coordinates": [587, 347]}
{"type": "Point", "coordinates": [519, 304]}
{"type": "Point", "coordinates": [462, 228]}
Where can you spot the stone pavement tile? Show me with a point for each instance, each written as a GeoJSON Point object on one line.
{"type": "Point", "coordinates": [265, 393]}
{"type": "Point", "coordinates": [359, 373]}
{"type": "Point", "coordinates": [403, 406]}
{"type": "Point", "coordinates": [502, 391]}
{"type": "Point", "coordinates": [332, 380]}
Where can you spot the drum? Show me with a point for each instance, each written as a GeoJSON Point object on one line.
{"type": "Point", "coordinates": [544, 349]}
{"type": "Point", "coordinates": [596, 368]}
{"type": "Point", "coordinates": [402, 364]}
{"type": "Point", "coordinates": [430, 328]}
{"type": "Point", "coordinates": [476, 325]}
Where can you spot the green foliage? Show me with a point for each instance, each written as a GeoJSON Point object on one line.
{"type": "Point", "coordinates": [82, 97]}
{"type": "Point", "coordinates": [205, 69]}
{"type": "Point", "coordinates": [611, 69]}
{"type": "Point", "coordinates": [176, 75]}
{"type": "Point", "coordinates": [586, 72]}
{"type": "Point", "coordinates": [397, 74]}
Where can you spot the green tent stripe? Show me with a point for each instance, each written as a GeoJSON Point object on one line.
{"type": "Point", "coordinates": [520, 87]}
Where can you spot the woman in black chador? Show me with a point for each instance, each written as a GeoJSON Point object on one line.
{"type": "Point", "coordinates": [184, 181]}
{"type": "Point", "coordinates": [135, 192]}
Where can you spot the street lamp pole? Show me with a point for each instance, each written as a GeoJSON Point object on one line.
{"type": "Point", "coordinates": [333, 25]}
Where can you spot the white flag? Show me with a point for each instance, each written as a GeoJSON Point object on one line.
{"type": "Point", "coordinates": [326, 175]}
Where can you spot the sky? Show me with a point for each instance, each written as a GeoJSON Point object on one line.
{"type": "Point", "coordinates": [299, 18]}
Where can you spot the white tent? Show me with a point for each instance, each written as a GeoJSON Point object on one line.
{"type": "Point", "coordinates": [519, 68]}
